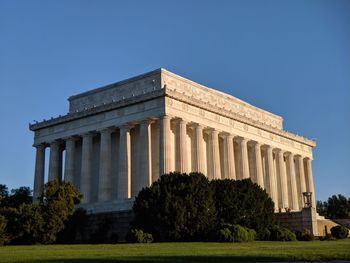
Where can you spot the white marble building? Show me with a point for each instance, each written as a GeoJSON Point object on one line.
{"type": "Point", "coordinates": [117, 139]}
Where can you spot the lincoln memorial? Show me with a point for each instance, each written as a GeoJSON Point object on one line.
{"type": "Point", "coordinates": [117, 139]}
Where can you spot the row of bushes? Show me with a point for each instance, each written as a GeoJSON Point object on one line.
{"type": "Point", "coordinates": [189, 207]}
{"type": "Point", "coordinates": [237, 233]}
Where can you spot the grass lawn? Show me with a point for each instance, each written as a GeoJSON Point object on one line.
{"type": "Point", "coordinates": [181, 252]}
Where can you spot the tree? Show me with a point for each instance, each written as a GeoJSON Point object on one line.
{"type": "Point", "coordinates": [336, 207]}
{"type": "Point", "coordinates": [4, 192]}
{"type": "Point", "coordinates": [40, 223]}
{"type": "Point", "coordinates": [57, 205]}
{"type": "Point", "coordinates": [22, 195]}
{"type": "Point", "coordinates": [176, 207]}
{"type": "Point", "coordinates": [242, 202]}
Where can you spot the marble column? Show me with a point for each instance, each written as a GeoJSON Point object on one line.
{"type": "Point", "coordinates": [229, 157]}
{"type": "Point", "coordinates": [69, 160]}
{"type": "Point", "coordinates": [244, 157]}
{"type": "Point", "coordinates": [301, 176]}
{"type": "Point", "coordinates": [310, 179]}
{"type": "Point", "coordinates": [199, 150]}
{"type": "Point", "coordinates": [105, 169]}
{"type": "Point", "coordinates": [124, 176]}
{"type": "Point", "coordinates": [39, 176]}
{"type": "Point", "coordinates": [272, 177]}
{"type": "Point", "coordinates": [164, 145]}
{"type": "Point", "coordinates": [183, 156]}
{"type": "Point", "coordinates": [215, 155]}
{"type": "Point", "coordinates": [293, 202]}
{"type": "Point", "coordinates": [283, 179]}
{"type": "Point", "coordinates": [145, 179]}
{"type": "Point", "coordinates": [258, 165]}
{"type": "Point", "coordinates": [86, 167]}
{"type": "Point", "coordinates": [55, 163]}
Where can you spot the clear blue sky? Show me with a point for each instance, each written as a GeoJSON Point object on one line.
{"type": "Point", "coordinates": [289, 57]}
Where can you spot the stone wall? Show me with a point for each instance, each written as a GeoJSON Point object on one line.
{"type": "Point", "coordinates": [300, 220]}
{"type": "Point", "coordinates": [109, 227]}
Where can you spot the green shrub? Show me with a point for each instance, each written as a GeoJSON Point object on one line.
{"type": "Point", "coordinates": [242, 202]}
{"type": "Point", "coordinates": [177, 207]}
{"type": "Point", "coordinates": [339, 232]}
{"type": "Point", "coordinates": [239, 233]}
{"type": "Point", "coordinates": [279, 233]}
{"type": "Point", "coordinates": [251, 234]}
{"type": "Point", "coordinates": [138, 236]}
{"type": "Point", "coordinates": [224, 235]}
{"type": "Point", "coordinates": [235, 233]}
{"type": "Point", "coordinates": [304, 235]}
{"type": "Point", "coordinates": [326, 237]}
{"type": "Point", "coordinates": [264, 234]}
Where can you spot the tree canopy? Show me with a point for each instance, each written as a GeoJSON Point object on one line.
{"type": "Point", "coordinates": [189, 207]}
{"type": "Point", "coordinates": [27, 223]}
{"type": "Point", "coordinates": [176, 207]}
{"type": "Point", "coordinates": [336, 207]}
{"type": "Point", "coordinates": [242, 202]}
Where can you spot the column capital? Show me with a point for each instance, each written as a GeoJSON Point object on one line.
{"type": "Point", "coordinates": [255, 143]}
{"type": "Point", "coordinates": [289, 153]}
{"type": "Point", "coordinates": [242, 139]}
{"type": "Point", "coordinates": [226, 135]}
{"type": "Point", "coordinates": [40, 146]}
{"type": "Point", "coordinates": [106, 130]}
{"type": "Point", "coordinates": [126, 126]}
{"type": "Point", "coordinates": [166, 117]}
{"type": "Point", "coordinates": [279, 151]}
{"type": "Point", "coordinates": [55, 144]}
{"type": "Point", "coordinates": [87, 135]}
{"type": "Point", "coordinates": [215, 132]}
{"type": "Point", "coordinates": [195, 125]}
{"type": "Point", "coordinates": [267, 147]}
{"type": "Point", "coordinates": [181, 121]}
{"type": "Point", "coordinates": [147, 121]}
{"type": "Point", "coordinates": [70, 138]}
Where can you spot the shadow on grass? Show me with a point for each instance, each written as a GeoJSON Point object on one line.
{"type": "Point", "coordinates": [169, 259]}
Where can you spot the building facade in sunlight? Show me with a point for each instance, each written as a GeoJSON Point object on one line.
{"type": "Point", "coordinates": [117, 139]}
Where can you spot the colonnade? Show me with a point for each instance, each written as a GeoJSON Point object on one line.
{"type": "Point", "coordinates": [116, 162]}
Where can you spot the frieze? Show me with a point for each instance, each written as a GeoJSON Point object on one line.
{"type": "Point", "coordinates": [220, 100]}
{"type": "Point", "coordinates": [244, 127]}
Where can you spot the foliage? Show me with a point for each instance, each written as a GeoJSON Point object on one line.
{"type": "Point", "coordinates": [339, 232]}
{"type": "Point", "coordinates": [304, 235]}
{"type": "Point", "coordinates": [74, 227]}
{"type": "Point", "coordinates": [264, 234]}
{"type": "Point", "coordinates": [224, 235]}
{"type": "Point", "coordinates": [4, 192]}
{"type": "Point", "coordinates": [242, 202]}
{"type": "Point", "coordinates": [235, 233]}
{"type": "Point", "coordinates": [22, 195]}
{"type": "Point", "coordinates": [176, 207]}
{"type": "Point", "coordinates": [58, 204]}
{"type": "Point", "coordinates": [336, 207]}
{"type": "Point", "coordinates": [280, 233]}
{"type": "Point", "coordinates": [27, 224]}
{"type": "Point", "coordinates": [138, 236]}
{"type": "Point", "coordinates": [39, 223]}
{"type": "Point", "coordinates": [3, 235]}
{"type": "Point", "coordinates": [326, 237]}
{"type": "Point", "coordinates": [252, 235]}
